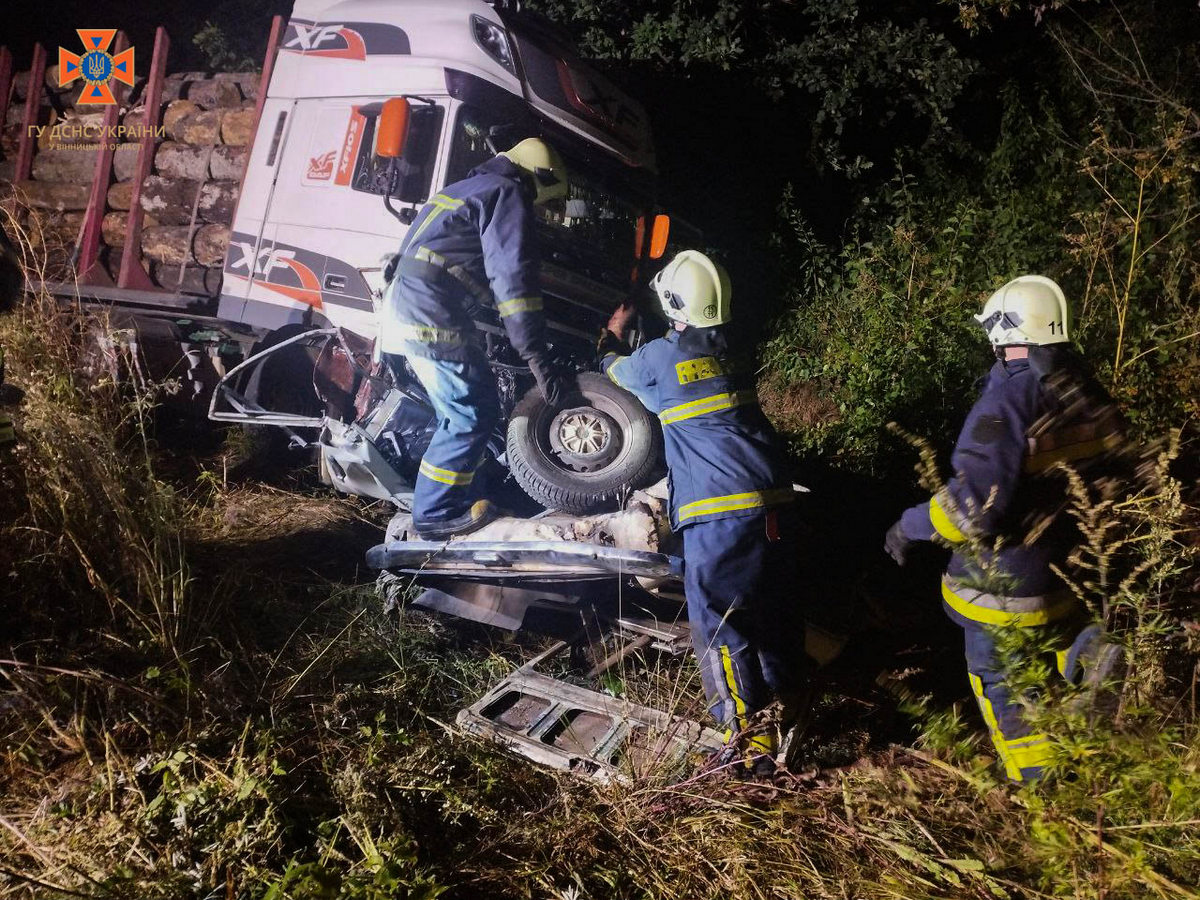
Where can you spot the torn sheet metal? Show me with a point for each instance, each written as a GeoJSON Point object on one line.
{"type": "Point", "coordinates": [589, 733]}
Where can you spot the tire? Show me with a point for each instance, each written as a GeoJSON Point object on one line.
{"type": "Point", "coordinates": [613, 443]}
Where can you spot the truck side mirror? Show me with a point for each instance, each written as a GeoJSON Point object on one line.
{"type": "Point", "coordinates": [659, 233]}
{"type": "Point", "coordinates": [392, 130]}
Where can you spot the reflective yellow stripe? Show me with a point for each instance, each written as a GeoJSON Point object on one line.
{"type": "Point", "coordinates": [428, 334]}
{"type": "Point", "coordinates": [441, 204]}
{"type": "Point", "coordinates": [942, 524]}
{"type": "Point", "coordinates": [1060, 661]}
{"type": "Point", "coordinates": [1030, 752]}
{"type": "Point", "coordinates": [612, 370]}
{"type": "Point", "coordinates": [424, 254]}
{"type": "Point", "coordinates": [445, 476]}
{"type": "Point", "coordinates": [715, 403]}
{"type": "Point", "coordinates": [731, 502]}
{"type": "Point", "coordinates": [993, 727]}
{"type": "Point", "coordinates": [519, 305]}
{"type": "Point", "coordinates": [739, 704]}
{"type": "Point", "coordinates": [1040, 462]}
{"type": "Point", "coordinates": [988, 616]}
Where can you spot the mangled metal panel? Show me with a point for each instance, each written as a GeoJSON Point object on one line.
{"type": "Point", "coordinates": [563, 725]}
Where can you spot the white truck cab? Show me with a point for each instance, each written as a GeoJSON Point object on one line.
{"type": "Point", "coordinates": [325, 204]}
{"type": "Point", "coordinates": [312, 232]}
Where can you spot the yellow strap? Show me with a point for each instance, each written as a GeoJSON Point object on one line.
{"type": "Point", "coordinates": [705, 405]}
{"type": "Point", "coordinates": [428, 334]}
{"type": "Point", "coordinates": [445, 476]}
{"type": "Point", "coordinates": [731, 502]}
{"type": "Point", "coordinates": [942, 523]}
{"type": "Point", "coordinates": [1040, 462]}
{"type": "Point", "coordinates": [519, 305]}
{"type": "Point", "coordinates": [988, 616]}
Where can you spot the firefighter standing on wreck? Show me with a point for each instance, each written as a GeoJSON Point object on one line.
{"type": "Point", "coordinates": [473, 244]}
{"type": "Point", "coordinates": [1039, 407]}
{"type": "Point", "coordinates": [729, 496]}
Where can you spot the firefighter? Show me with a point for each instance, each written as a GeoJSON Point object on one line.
{"type": "Point", "coordinates": [729, 496]}
{"type": "Point", "coordinates": [474, 244]}
{"type": "Point", "coordinates": [1001, 511]}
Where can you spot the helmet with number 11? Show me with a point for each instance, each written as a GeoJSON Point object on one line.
{"type": "Point", "coordinates": [1030, 310]}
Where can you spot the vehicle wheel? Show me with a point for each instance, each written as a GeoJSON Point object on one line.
{"type": "Point", "coordinates": [577, 458]}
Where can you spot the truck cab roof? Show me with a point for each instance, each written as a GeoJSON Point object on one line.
{"type": "Point", "coordinates": [358, 47]}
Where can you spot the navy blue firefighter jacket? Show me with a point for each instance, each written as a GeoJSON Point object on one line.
{"type": "Point", "coordinates": [724, 459]}
{"type": "Point", "coordinates": [1001, 488]}
{"type": "Point", "coordinates": [474, 244]}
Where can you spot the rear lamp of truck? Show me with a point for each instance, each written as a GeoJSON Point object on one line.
{"type": "Point", "coordinates": [493, 40]}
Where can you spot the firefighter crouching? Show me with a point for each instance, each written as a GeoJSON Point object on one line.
{"type": "Point", "coordinates": [474, 244]}
{"type": "Point", "coordinates": [730, 496]}
{"type": "Point", "coordinates": [1003, 509]}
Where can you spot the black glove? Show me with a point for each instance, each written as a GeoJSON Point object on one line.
{"type": "Point", "coordinates": [897, 545]}
{"type": "Point", "coordinates": [555, 384]}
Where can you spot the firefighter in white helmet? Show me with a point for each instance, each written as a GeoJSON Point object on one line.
{"type": "Point", "coordinates": [730, 496]}
{"type": "Point", "coordinates": [1002, 511]}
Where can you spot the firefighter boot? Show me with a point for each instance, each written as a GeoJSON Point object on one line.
{"type": "Point", "coordinates": [481, 513]}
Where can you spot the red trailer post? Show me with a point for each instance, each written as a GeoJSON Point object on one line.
{"type": "Point", "coordinates": [90, 269]}
{"type": "Point", "coordinates": [6, 83]}
{"type": "Point", "coordinates": [133, 272]}
{"type": "Point", "coordinates": [33, 99]}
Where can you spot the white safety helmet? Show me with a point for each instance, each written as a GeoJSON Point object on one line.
{"type": "Point", "coordinates": [1030, 310]}
{"type": "Point", "coordinates": [544, 165]}
{"type": "Point", "coordinates": [693, 290]}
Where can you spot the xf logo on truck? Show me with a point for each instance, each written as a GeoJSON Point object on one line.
{"type": "Point", "coordinates": [296, 273]}
{"type": "Point", "coordinates": [296, 280]}
{"type": "Point", "coordinates": [320, 168]}
{"type": "Point", "coordinates": [344, 40]}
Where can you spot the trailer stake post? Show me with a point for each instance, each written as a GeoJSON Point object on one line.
{"type": "Point", "coordinates": [33, 100]}
{"type": "Point", "coordinates": [133, 271]}
{"type": "Point", "coordinates": [90, 269]}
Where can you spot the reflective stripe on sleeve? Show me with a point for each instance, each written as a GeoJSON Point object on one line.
{"type": "Point", "coordinates": [519, 305]}
{"type": "Point", "coordinates": [704, 405]}
{"type": "Point", "coordinates": [942, 523]}
{"type": "Point", "coordinates": [612, 369]}
{"type": "Point", "coordinates": [445, 476]}
{"type": "Point", "coordinates": [993, 609]}
{"type": "Point", "coordinates": [428, 334]}
{"type": "Point", "coordinates": [733, 502]}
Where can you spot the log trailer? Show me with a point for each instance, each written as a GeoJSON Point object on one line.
{"type": "Point", "coordinates": [367, 108]}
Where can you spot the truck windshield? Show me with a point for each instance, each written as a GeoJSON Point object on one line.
{"type": "Point", "coordinates": [592, 233]}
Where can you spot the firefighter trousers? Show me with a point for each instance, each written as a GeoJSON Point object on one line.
{"type": "Point", "coordinates": [745, 615]}
{"type": "Point", "coordinates": [1022, 749]}
{"type": "Point", "coordinates": [467, 408]}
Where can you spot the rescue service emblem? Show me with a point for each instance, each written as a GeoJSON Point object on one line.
{"type": "Point", "coordinates": [96, 66]}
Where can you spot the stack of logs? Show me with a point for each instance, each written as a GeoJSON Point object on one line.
{"type": "Point", "coordinates": [189, 199]}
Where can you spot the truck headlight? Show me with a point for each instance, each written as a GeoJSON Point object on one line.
{"type": "Point", "coordinates": [494, 41]}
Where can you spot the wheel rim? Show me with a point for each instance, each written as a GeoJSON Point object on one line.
{"type": "Point", "coordinates": [586, 438]}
